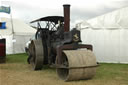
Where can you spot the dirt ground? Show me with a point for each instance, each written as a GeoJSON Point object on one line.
{"type": "Point", "coordinates": [22, 74]}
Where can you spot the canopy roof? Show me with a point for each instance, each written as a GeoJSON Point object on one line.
{"type": "Point", "coordinates": [54, 19]}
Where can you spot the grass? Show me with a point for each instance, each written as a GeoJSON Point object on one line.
{"type": "Point", "coordinates": [17, 72]}
{"type": "Point", "coordinates": [17, 58]}
{"type": "Point", "coordinates": [109, 72]}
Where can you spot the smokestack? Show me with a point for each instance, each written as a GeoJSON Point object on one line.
{"type": "Point", "coordinates": [66, 17]}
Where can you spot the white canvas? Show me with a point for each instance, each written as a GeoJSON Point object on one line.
{"type": "Point", "coordinates": [109, 36]}
{"type": "Point", "coordinates": [17, 37]}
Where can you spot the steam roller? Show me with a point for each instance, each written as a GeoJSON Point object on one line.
{"type": "Point", "coordinates": [57, 46]}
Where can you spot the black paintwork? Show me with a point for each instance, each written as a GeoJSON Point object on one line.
{"type": "Point", "coordinates": [54, 36]}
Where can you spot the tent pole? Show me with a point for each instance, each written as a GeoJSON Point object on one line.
{"type": "Point", "coordinates": [11, 21]}
{"type": "Point", "coordinates": [12, 29]}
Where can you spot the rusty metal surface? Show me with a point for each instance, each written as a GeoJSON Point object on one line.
{"type": "Point", "coordinates": [70, 47]}
{"type": "Point", "coordinates": [75, 59]}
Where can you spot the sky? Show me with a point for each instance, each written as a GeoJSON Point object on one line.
{"type": "Point", "coordinates": [28, 10]}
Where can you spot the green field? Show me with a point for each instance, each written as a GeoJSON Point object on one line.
{"type": "Point", "coordinates": [16, 71]}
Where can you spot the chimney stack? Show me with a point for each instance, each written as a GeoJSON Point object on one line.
{"type": "Point", "coordinates": [66, 17]}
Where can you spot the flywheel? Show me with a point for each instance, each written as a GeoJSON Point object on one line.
{"type": "Point", "coordinates": [77, 65]}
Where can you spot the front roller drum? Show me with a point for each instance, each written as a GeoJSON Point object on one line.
{"type": "Point", "coordinates": [81, 64]}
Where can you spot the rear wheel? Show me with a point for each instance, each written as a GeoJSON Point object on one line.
{"type": "Point", "coordinates": [37, 54]}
